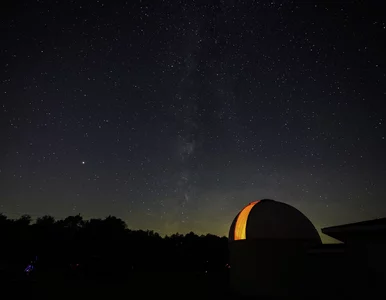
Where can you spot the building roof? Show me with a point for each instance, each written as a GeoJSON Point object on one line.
{"type": "Point", "coordinates": [269, 219]}
{"type": "Point", "coordinates": [359, 231]}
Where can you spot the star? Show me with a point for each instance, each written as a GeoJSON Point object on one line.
{"type": "Point", "coordinates": [196, 114]}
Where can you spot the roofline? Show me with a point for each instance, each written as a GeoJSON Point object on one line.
{"type": "Point", "coordinates": [312, 241]}
{"type": "Point", "coordinates": [356, 226]}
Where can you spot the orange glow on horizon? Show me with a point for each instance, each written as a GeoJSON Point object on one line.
{"type": "Point", "coordinates": [241, 223]}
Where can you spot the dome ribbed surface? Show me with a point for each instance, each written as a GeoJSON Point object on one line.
{"type": "Point", "coordinates": [269, 219]}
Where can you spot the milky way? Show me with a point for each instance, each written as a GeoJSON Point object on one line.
{"type": "Point", "coordinates": [173, 115]}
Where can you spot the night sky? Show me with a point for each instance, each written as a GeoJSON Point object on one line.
{"type": "Point", "coordinates": [173, 115]}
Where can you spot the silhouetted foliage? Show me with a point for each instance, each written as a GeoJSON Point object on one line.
{"type": "Point", "coordinates": [103, 249]}
{"type": "Point", "coordinates": [45, 221]}
{"type": "Point", "coordinates": [24, 220]}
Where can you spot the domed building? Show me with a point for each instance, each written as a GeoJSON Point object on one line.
{"type": "Point", "coordinates": [268, 243]}
{"type": "Point", "coordinates": [269, 219]}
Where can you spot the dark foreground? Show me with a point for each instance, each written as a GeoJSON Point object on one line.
{"type": "Point", "coordinates": [139, 285]}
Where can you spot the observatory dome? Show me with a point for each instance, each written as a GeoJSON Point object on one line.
{"type": "Point", "coordinates": [269, 219]}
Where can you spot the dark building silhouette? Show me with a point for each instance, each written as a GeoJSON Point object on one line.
{"type": "Point", "coordinates": [362, 261]}
{"type": "Point", "coordinates": [275, 251]}
{"type": "Point", "coordinates": [268, 243]}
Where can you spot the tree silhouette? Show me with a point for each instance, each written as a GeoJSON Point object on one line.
{"type": "Point", "coordinates": [24, 220]}
{"type": "Point", "coordinates": [115, 224]}
{"type": "Point", "coordinates": [3, 220]}
{"type": "Point", "coordinates": [45, 221]}
{"type": "Point", "coordinates": [103, 249]}
{"type": "Point", "coordinates": [73, 222]}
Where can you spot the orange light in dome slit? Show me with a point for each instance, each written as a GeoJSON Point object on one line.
{"type": "Point", "coordinates": [241, 223]}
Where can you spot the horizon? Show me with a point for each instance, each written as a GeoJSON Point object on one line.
{"type": "Point", "coordinates": [173, 115]}
{"type": "Point", "coordinates": [325, 238]}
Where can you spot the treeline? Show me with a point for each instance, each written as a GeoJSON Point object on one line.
{"type": "Point", "coordinates": [102, 248]}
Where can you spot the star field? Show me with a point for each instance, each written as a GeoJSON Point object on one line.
{"type": "Point", "coordinates": [173, 115]}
